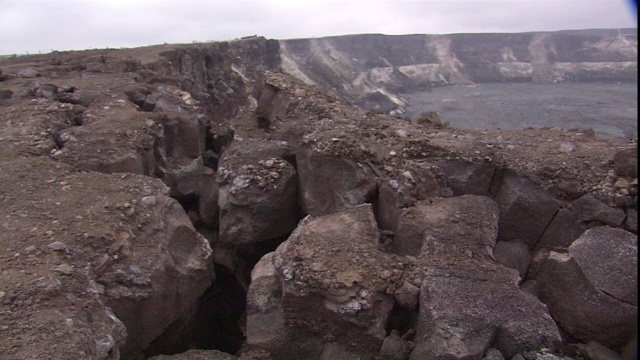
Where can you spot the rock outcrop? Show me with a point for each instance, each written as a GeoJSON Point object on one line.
{"type": "Point", "coordinates": [590, 290]}
{"type": "Point", "coordinates": [181, 199]}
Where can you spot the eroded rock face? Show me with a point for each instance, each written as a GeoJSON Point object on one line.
{"type": "Point", "coordinates": [462, 314]}
{"type": "Point", "coordinates": [373, 69]}
{"type": "Point", "coordinates": [258, 192]}
{"type": "Point", "coordinates": [303, 301]}
{"type": "Point", "coordinates": [590, 290]}
{"type": "Point", "coordinates": [109, 275]}
{"type": "Point", "coordinates": [525, 209]}
{"type": "Point", "coordinates": [569, 223]}
{"type": "Point", "coordinates": [330, 184]}
{"type": "Point", "coordinates": [150, 295]}
{"type": "Point", "coordinates": [463, 225]}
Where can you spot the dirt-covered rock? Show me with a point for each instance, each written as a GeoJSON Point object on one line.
{"type": "Point", "coordinates": [258, 192]}
{"type": "Point", "coordinates": [115, 259]}
{"type": "Point", "coordinates": [590, 289]}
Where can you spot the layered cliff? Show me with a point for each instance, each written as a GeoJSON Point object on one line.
{"type": "Point", "coordinates": [364, 67]}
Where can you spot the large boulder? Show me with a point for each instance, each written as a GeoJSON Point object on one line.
{"type": "Point", "coordinates": [592, 290]}
{"type": "Point", "coordinates": [323, 290]}
{"type": "Point", "coordinates": [258, 193]}
{"type": "Point", "coordinates": [468, 302]}
{"type": "Point", "coordinates": [330, 184]}
{"type": "Point", "coordinates": [570, 222]}
{"type": "Point", "coordinates": [184, 134]}
{"type": "Point", "coordinates": [525, 209]}
{"type": "Point", "coordinates": [462, 225]}
{"type": "Point", "coordinates": [463, 313]}
{"type": "Point", "coordinates": [468, 178]}
{"type": "Point", "coordinates": [104, 273]}
{"type": "Point", "coordinates": [513, 254]}
{"type": "Point", "coordinates": [148, 295]}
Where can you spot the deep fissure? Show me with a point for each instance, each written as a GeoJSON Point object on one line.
{"type": "Point", "coordinates": [215, 321]}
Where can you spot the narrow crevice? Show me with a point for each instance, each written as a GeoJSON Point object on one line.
{"type": "Point", "coordinates": [535, 245]}
{"type": "Point", "coordinates": [496, 181]}
{"type": "Point", "coordinates": [615, 298]}
{"type": "Point", "coordinates": [401, 319]}
{"type": "Point", "coordinates": [291, 159]}
{"type": "Point", "coordinates": [212, 323]}
{"type": "Point", "coordinates": [252, 253]}
{"type": "Point", "coordinates": [219, 310]}
{"type": "Point", "coordinates": [190, 206]}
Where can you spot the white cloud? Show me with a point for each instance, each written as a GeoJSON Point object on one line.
{"type": "Point", "coordinates": [43, 25]}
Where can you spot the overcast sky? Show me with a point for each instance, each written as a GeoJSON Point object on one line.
{"type": "Point", "coordinates": [44, 25]}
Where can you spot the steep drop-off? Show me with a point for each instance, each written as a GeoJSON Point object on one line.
{"type": "Point", "coordinates": [372, 69]}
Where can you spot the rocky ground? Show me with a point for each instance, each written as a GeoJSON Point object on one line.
{"type": "Point", "coordinates": [175, 201]}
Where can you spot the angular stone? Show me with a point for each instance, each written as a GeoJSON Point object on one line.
{"type": "Point", "coordinates": [631, 223]}
{"type": "Point", "coordinates": [184, 180]}
{"type": "Point", "coordinates": [525, 209]}
{"type": "Point", "coordinates": [493, 354]}
{"type": "Point", "coordinates": [258, 193]}
{"type": "Point", "coordinates": [407, 295]}
{"type": "Point", "coordinates": [468, 178]}
{"type": "Point", "coordinates": [5, 94]}
{"type": "Point", "coordinates": [388, 205]}
{"type": "Point", "coordinates": [46, 91]}
{"type": "Point", "coordinates": [28, 73]}
{"type": "Point", "coordinates": [332, 295]}
{"type": "Point", "coordinates": [609, 259]}
{"type": "Point", "coordinates": [591, 290]}
{"type": "Point", "coordinates": [208, 199]}
{"type": "Point", "coordinates": [419, 182]}
{"type": "Point", "coordinates": [595, 351]}
{"type": "Point", "coordinates": [184, 134]}
{"type": "Point", "coordinates": [136, 93]}
{"type": "Point", "coordinates": [158, 294]}
{"type": "Point", "coordinates": [331, 184]}
{"type": "Point", "coordinates": [272, 103]}
{"type": "Point", "coordinates": [394, 347]}
{"type": "Point", "coordinates": [626, 162]}
{"type": "Point", "coordinates": [431, 229]}
{"type": "Point", "coordinates": [563, 230]}
{"type": "Point", "coordinates": [513, 254]}
{"type": "Point", "coordinates": [463, 313]}
{"type": "Point", "coordinates": [265, 317]}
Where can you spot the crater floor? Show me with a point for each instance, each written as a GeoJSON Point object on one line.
{"type": "Point", "coordinates": [610, 109]}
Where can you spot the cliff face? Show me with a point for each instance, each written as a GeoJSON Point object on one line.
{"type": "Point", "coordinates": [361, 66]}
